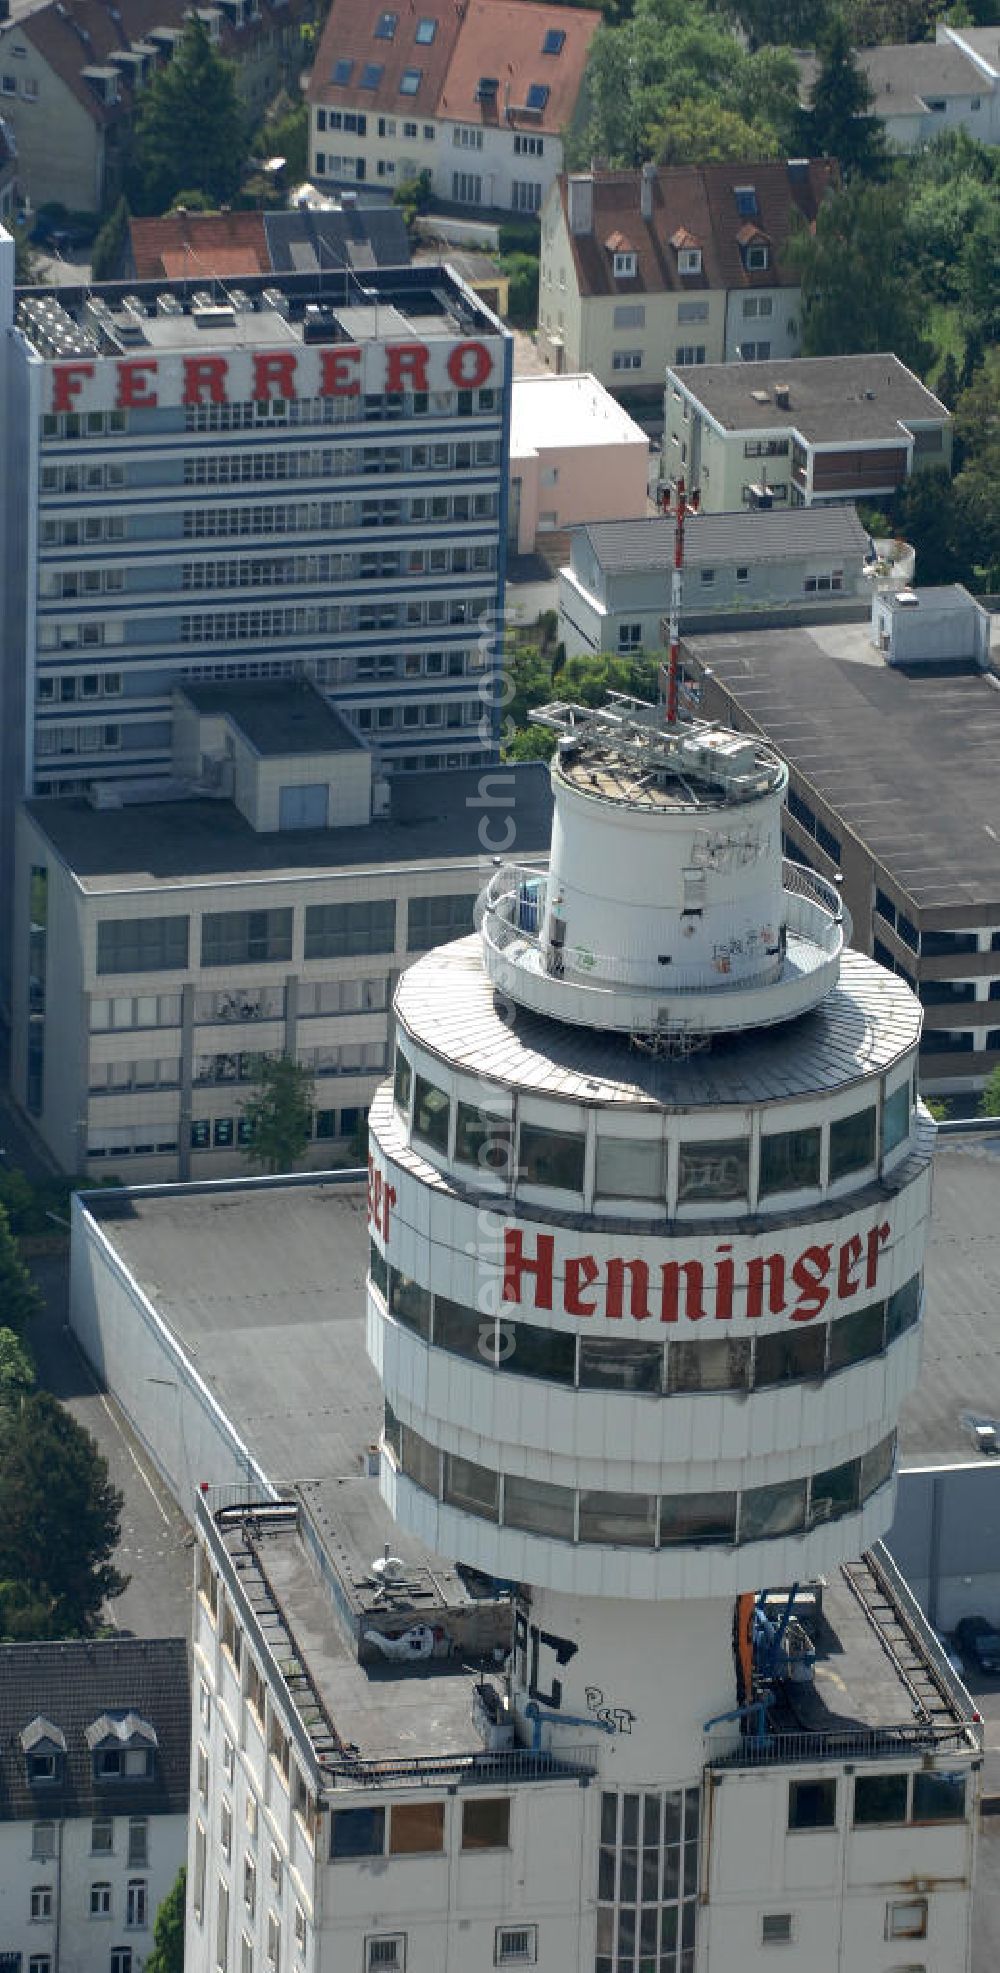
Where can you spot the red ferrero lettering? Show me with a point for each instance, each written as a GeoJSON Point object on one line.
{"type": "Point", "coordinates": [133, 383]}
{"type": "Point", "coordinates": [338, 372]}
{"type": "Point", "coordinates": [406, 363]}
{"type": "Point", "coordinates": [516, 1264]}
{"type": "Point", "coordinates": [638, 1300]}
{"type": "Point", "coordinates": [876, 1241]}
{"type": "Point", "coordinates": [205, 373]}
{"type": "Point", "coordinates": [850, 1255]}
{"type": "Point", "coordinates": [67, 383]}
{"type": "Point", "coordinates": [774, 1267]}
{"type": "Point", "coordinates": [469, 365]}
{"type": "Point", "coordinates": [274, 374]}
{"type": "Point", "coordinates": [809, 1272]}
{"type": "Point", "coordinates": [581, 1273]}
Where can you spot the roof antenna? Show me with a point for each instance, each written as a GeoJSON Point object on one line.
{"type": "Point", "coordinates": [683, 505]}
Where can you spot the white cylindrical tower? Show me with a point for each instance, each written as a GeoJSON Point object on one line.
{"type": "Point", "coordinates": [648, 1196]}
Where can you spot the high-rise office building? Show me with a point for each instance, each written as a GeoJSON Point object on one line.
{"type": "Point", "coordinates": [298, 475]}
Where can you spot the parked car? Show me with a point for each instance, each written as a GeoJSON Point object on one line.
{"type": "Point", "coordinates": [976, 1637]}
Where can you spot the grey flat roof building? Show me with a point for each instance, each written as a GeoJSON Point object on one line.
{"type": "Point", "coordinates": [830, 399]}
{"type": "Point", "coordinates": [760, 534]}
{"type": "Point", "coordinates": [433, 816]}
{"type": "Point", "coordinates": [908, 762]}
{"type": "Point", "coordinates": [277, 716]}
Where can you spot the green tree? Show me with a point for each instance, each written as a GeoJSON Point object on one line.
{"type": "Point", "coordinates": [675, 52]}
{"type": "Point", "coordinates": [859, 290]}
{"type": "Point", "coordinates": [279, 1114]}
{"type": "Point", "coordinates": [189, 127]}
{"type": "Point", "coordinates": [989, 1099]}
{"type": "Point", "coordinates": [946, 387]}
{"type": "Point", "coordinates": [17, 1377]}
{"type": "Point", "coordinates": [924, 514]}
{"type": "Point", "coordinates": [521, 270]}
{"type": "Point", "coordinates": [783, 23]}
{"type": "Point", "coordinates": [19, 1298]}
{"type": "Point", "coordinates": [108, 257]}
{"type": "Point", "coordinates": [167, 1955]}
{"type": "Point", "coordinates": [698, 133]}
{"type": "Point", "coordinates": [838, 123]}
{"type": "Point", "coordinates": [60, 1519]}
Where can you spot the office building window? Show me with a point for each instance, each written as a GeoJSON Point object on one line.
{"type": "Point", "coordinates": [142, 945]}
{"type": "Point", "coordinates": [433, 921]}
{"type": "Point", "coordinates": [244, 938]}
{"type": "Point", "coordinates": [345, 931]}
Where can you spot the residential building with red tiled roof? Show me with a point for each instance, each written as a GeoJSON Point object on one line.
{"type": "Point", "coordinates": [479, 93]}
{"type": "Point", "coordinates": [674, 264]}
{"type": "Point", "coordinates": [71, 73]}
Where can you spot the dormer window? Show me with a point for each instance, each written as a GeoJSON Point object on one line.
{"type": "Point", "coordinates": [755, 248]}
{"type": "Point", "coordinates": [44, 1747]}
{"type": "Point", "coordinates": [625, 266]}
{"type": "Point", "coordinates": [687, 247]}
{"type": "Point", "coordinates": [123, 1747]}
{"type": "Point", "coordinates": [624, 259]}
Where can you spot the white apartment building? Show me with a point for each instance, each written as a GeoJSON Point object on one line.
{"type": "Point", "coordinates": [295, 476]}
{"type": "Point", "coordinates": [93, 1822]}
{"type": "Point", "coordinates": [479, 96]}
{"type": "Point", "coordinates": [265, 906]}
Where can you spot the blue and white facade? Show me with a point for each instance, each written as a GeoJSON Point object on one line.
{"type": "Point", "coordinates": [289, 477]}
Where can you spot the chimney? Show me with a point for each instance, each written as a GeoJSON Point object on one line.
{"type": "Point", "coordinates": [783, 396]}
{"type": "Point", "coordinates": [646, 183]}
{"type": "Point", "coordinates": [580, 201]}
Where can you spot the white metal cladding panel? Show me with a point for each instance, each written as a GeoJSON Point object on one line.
{"type": "Point", "coordinates": [459, 1249]}
{"type": "Point", "coordinates": [689, 1441]}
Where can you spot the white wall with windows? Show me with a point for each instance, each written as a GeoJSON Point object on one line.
{"type": "Point", "coordinates": [90, 1882]}
{"type": "Point", "coordinates": [475, 165]}
{"type": "Point", "coordinates": [141, 1012]}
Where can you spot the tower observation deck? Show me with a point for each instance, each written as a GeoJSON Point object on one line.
{"type": "Point", "coordinates": [648, 1194]}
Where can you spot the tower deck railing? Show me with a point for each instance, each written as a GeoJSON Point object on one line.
{"type": "Point", "coordinates": [512, 915]}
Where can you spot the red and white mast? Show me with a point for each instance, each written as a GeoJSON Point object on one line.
{"type": "Point", "coordinates": [682, 507]}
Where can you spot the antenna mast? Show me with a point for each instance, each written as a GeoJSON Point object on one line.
{"type": "Point", "coordinates": [682, 507]}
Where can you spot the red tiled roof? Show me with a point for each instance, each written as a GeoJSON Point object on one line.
{"type": "Point", "coordinates": [696, 205]}
{"type": "Point", "coordinates": [349, 36]}
{"type": "Point", "coordinates": [500, 41]}
{"type": "Point", "coordinates": [185, 245]}
{"type": "Point", "coordinates": [504, 39]}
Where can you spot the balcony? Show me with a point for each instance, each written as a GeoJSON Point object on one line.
{"type": "Point", "coordinates": [511, 915]}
